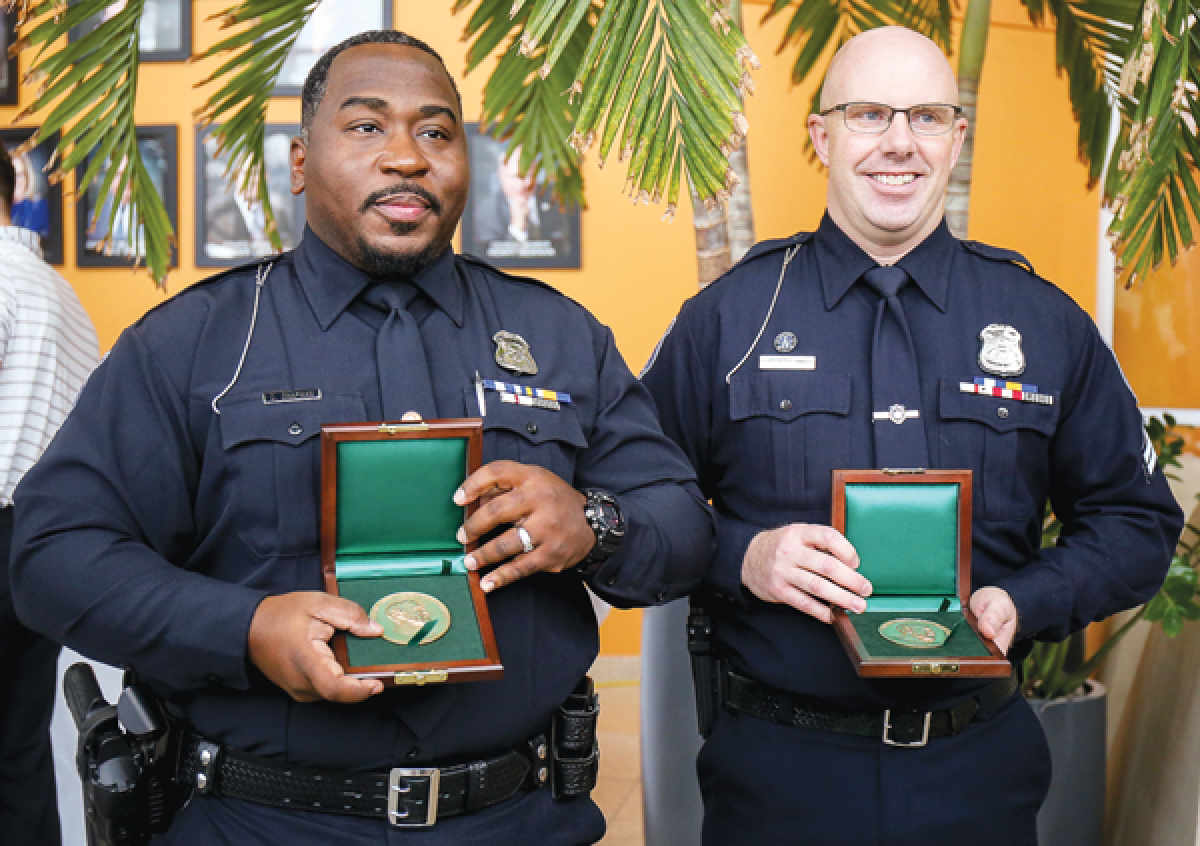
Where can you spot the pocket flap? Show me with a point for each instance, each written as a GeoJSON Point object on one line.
{"type": "Point", "coordinates": [998, 413]}
{"type": "Point", "coordinates": [536, 425]}
{"type": "Point", "coordinates": [246, 419]}
{"type": "Point", "coordinates": [787, 394]}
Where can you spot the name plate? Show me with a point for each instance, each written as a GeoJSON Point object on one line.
{"type": "Point", "coordinates": [787, 362]}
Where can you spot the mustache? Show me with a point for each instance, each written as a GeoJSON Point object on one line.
{"type": "Point", "coordinates": [402, 188]}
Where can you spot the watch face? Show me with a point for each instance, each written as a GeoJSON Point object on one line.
{"type": "Point", "coordinates": [612, 521]}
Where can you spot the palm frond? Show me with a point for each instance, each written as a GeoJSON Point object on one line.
{"type": "Point", "coordinates": [1151, 175]}
{"type": "Point", "coordinates": [263, 33]}
{"type": "Point", "coordinates": [87, 91]}
{"type": "Point", "coordinates": [1091, 41]}
{"type": "Point", "coordinates": [659, 80]}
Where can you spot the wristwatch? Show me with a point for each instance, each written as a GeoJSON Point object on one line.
{"type": "Point", "coordinates": [604, 516]}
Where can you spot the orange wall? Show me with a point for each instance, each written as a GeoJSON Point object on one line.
{"type": "Point", "coordinates": [1029, 189]}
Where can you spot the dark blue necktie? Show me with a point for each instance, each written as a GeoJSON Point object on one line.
{"type": "Point", "coordinates": [399, 353]}
{"type": "Point", "coordinates": [895, 386]}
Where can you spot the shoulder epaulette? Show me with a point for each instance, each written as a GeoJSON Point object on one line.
{"type": "Point", "coordinates": [776, 244]}
{"type": "Point", "coordinates": [250, 268]}
{"type": "Point", "coordinates": [999, 254]}
{"type": "Point", "coordinates": [487, 265]}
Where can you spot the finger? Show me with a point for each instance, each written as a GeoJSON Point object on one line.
{"type": "Point", "coordinates": [518, 568]}
{"type": "Point", "coordinates": [806, 604]}
{"type": "Point", "coordinates": [496, 551]}
{"type": "Point", "coordinates": [819, 587]}
{"type": "Point", "coordinates": [835, 543]}
{"type": "Point", "coordinates": [330, 681]}
{"type": "Point", "coordinates": [510, 507]}
{"type": "Point", "coordinates": [347, 615]}
{"type": "Point", "coordinates": [834, 571]}
{"type": "Point", "coordinates": [493, 477]}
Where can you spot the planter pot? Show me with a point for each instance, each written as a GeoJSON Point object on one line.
{"type": "Point", "coordinates": [1073, 814]}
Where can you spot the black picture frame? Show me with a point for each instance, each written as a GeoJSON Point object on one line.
{"type": "Point", "coordinates": [175, 25]}
{"type": "Point", "coordinates": [159, 146]}
{"type": "Point", "coordinates": [10, 78]}
{"type": "Point", "coordinates": [332, 22]}
{"type": "Point", "coordinates": [224, 224]}
{"type": "Point", "coordinates": [489, 230]}
{"type": "Point", "coordinates": [39, 205]}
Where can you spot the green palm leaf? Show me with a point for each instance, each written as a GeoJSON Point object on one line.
{"type": "Point", "coordinates": [660, 79]}
{"type": "Point", "coordinates": [87, 91]}
{"type": "Point", "coordinates": [1151, 182]}
{"type": "Point", "coordinates": [262, 34]}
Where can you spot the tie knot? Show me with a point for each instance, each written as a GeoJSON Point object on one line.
{"type": "Point", "coordinates": [886, 281]}
{"type": "Point", "coordinates": [389, 296]}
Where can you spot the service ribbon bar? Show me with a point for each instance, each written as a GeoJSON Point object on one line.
{"type": "Point", "coordinates": [1006, 390]}
{"type": "Point", "coordinates": [522, 391]}
{"type": "Point", "coordinates": [536, 402]}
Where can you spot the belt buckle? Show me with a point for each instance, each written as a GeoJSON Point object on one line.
{"type": "Point", "coordinates": [916, 744]}
{"type": "Point", "coordinates": [407, 793]}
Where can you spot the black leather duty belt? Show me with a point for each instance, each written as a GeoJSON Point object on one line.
{"type": "Point", "coordinates": [895, 728]}
{"type": "Point", "coordinates": [565, 759]}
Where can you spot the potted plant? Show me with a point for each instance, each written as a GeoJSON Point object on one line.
{"type": "Point", "coordinates": [1072, 707]}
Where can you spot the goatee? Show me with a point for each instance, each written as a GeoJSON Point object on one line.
{"type": "Point", "coordinates": [405, 265]}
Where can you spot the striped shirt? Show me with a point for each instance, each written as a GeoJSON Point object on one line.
{"type": "Point", "coordinates": [48, 349]}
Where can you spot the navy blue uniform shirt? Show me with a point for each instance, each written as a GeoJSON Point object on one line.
{"type": "Point", "coordinates": [153, 526]}
{"type": "Point", "coordinates": [764, 441]}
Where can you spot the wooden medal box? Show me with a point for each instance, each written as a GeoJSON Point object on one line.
{"type": "Point", "coordinates": [388, 524]}
{"type": "Point", "coordinates": [912, 531]}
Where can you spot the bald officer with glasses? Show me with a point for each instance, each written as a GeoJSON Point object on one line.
{"type": "Point", "coordinates": [881, 340]}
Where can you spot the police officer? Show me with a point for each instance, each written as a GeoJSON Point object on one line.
{"type": "Point", "coordinates": [173, 525]}
{"type": "Point", "coordinates": [768, 381]}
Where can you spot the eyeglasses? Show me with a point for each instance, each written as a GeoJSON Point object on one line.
{"type": "Point", "coordinates": [876, 118]}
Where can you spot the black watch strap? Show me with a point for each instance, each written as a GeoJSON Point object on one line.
{"type": "Point", "coordinates": [603, 514]}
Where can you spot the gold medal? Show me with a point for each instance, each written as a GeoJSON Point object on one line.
{"type": "Point", "coordinates": [411, 619]}
{"type": "Point", "coordinates": [914, 633]}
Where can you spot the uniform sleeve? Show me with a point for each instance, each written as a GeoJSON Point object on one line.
{"type": "Point", "coordinates": [669, 532]}
{"type": "Point", "coordinates": [1120, 520]}
{"type": "Point", "coordinates": [104, 528]}
{"type": "Point", "coordinates": [680, 379]}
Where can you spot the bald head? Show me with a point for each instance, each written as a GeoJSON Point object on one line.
{"type": "Point", "coordinates": [887, 184]}
{"type": "Point", "coordinates": [882, 65]}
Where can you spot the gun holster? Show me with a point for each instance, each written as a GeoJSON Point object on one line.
{"type": "Point", "coordinates": [708, 677]}
{"type": "Point", "coordinates": [126, 758]}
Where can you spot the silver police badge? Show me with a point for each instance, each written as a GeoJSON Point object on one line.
{"type": "Point", "coordinates": [785, 342]}
{"type": "Point", "coordinates": [1000, 351]}
{"type": "Point", "coordinates": [512, 353]}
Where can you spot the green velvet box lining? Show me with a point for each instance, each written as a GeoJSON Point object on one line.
{"type": "Point", "coordinates": [906, 537]}
{"type": "Point", "coordinates": [435, 563]}
{"type": "Point", "coordinates": [963, 643]}
{"type": "Point", "coordinates": [462, 642]}
{"type": "Point", "coordinates": [395, 496]}
{"type": "Point", "coordinates": [914, 604]}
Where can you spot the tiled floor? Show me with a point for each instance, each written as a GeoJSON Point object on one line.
{"type": "Point", "coordinates": [619, 791]}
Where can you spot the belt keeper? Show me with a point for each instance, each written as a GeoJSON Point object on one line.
{"type": "Point", "coordinates": [476, 785]}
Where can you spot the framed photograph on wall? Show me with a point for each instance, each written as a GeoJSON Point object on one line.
{"type": "Point", "coordinates": [332, 22]}
{"type": "Point", "coordinates": [98, 245]}
{"type": "Point", "coordinates": [10, 80]}
{"type": "Point", "coordinates": [165, 32]}
{"type": "Point", "coordinates": [229, 229]}
{"type": "Point", "coordinates": [37, 204]}
{"type": "Point", "coordinates": [512, 221]}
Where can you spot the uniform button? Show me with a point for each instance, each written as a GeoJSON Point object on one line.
{"type": "Point", "coordinates": [531, 428]}
{"type": "Point", "coordinates": [295, 429]}
{"type": "Point", "coordinates": [612, 580]}
{"type": "Point", "coordinates": [784, 405]}
{"type": "Point", "coordinates": [414, 753]}
{"type": "Point", "coordinates": [662, 594]}
{"type": "Point", "coordinates": [1002, 412]}
{"type": "Point", "coordinates": [212, 679]}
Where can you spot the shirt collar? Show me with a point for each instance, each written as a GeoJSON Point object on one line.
{"type": "Point", "coordinates": [27, 238]}
{"type": "Point", "coordinates": [331, 283]}
{"type": "Point", "coordinates": [842, 262]}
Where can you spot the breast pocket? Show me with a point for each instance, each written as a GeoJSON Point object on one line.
{"type": "Point", "coordinates": [276, 459]}
{"type": "Point", "coordinates": [1005, 441]}
{"type": "Point", "coordinates": [531, 435]}
{"type": "Point", "coordinates": [787, 425]}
